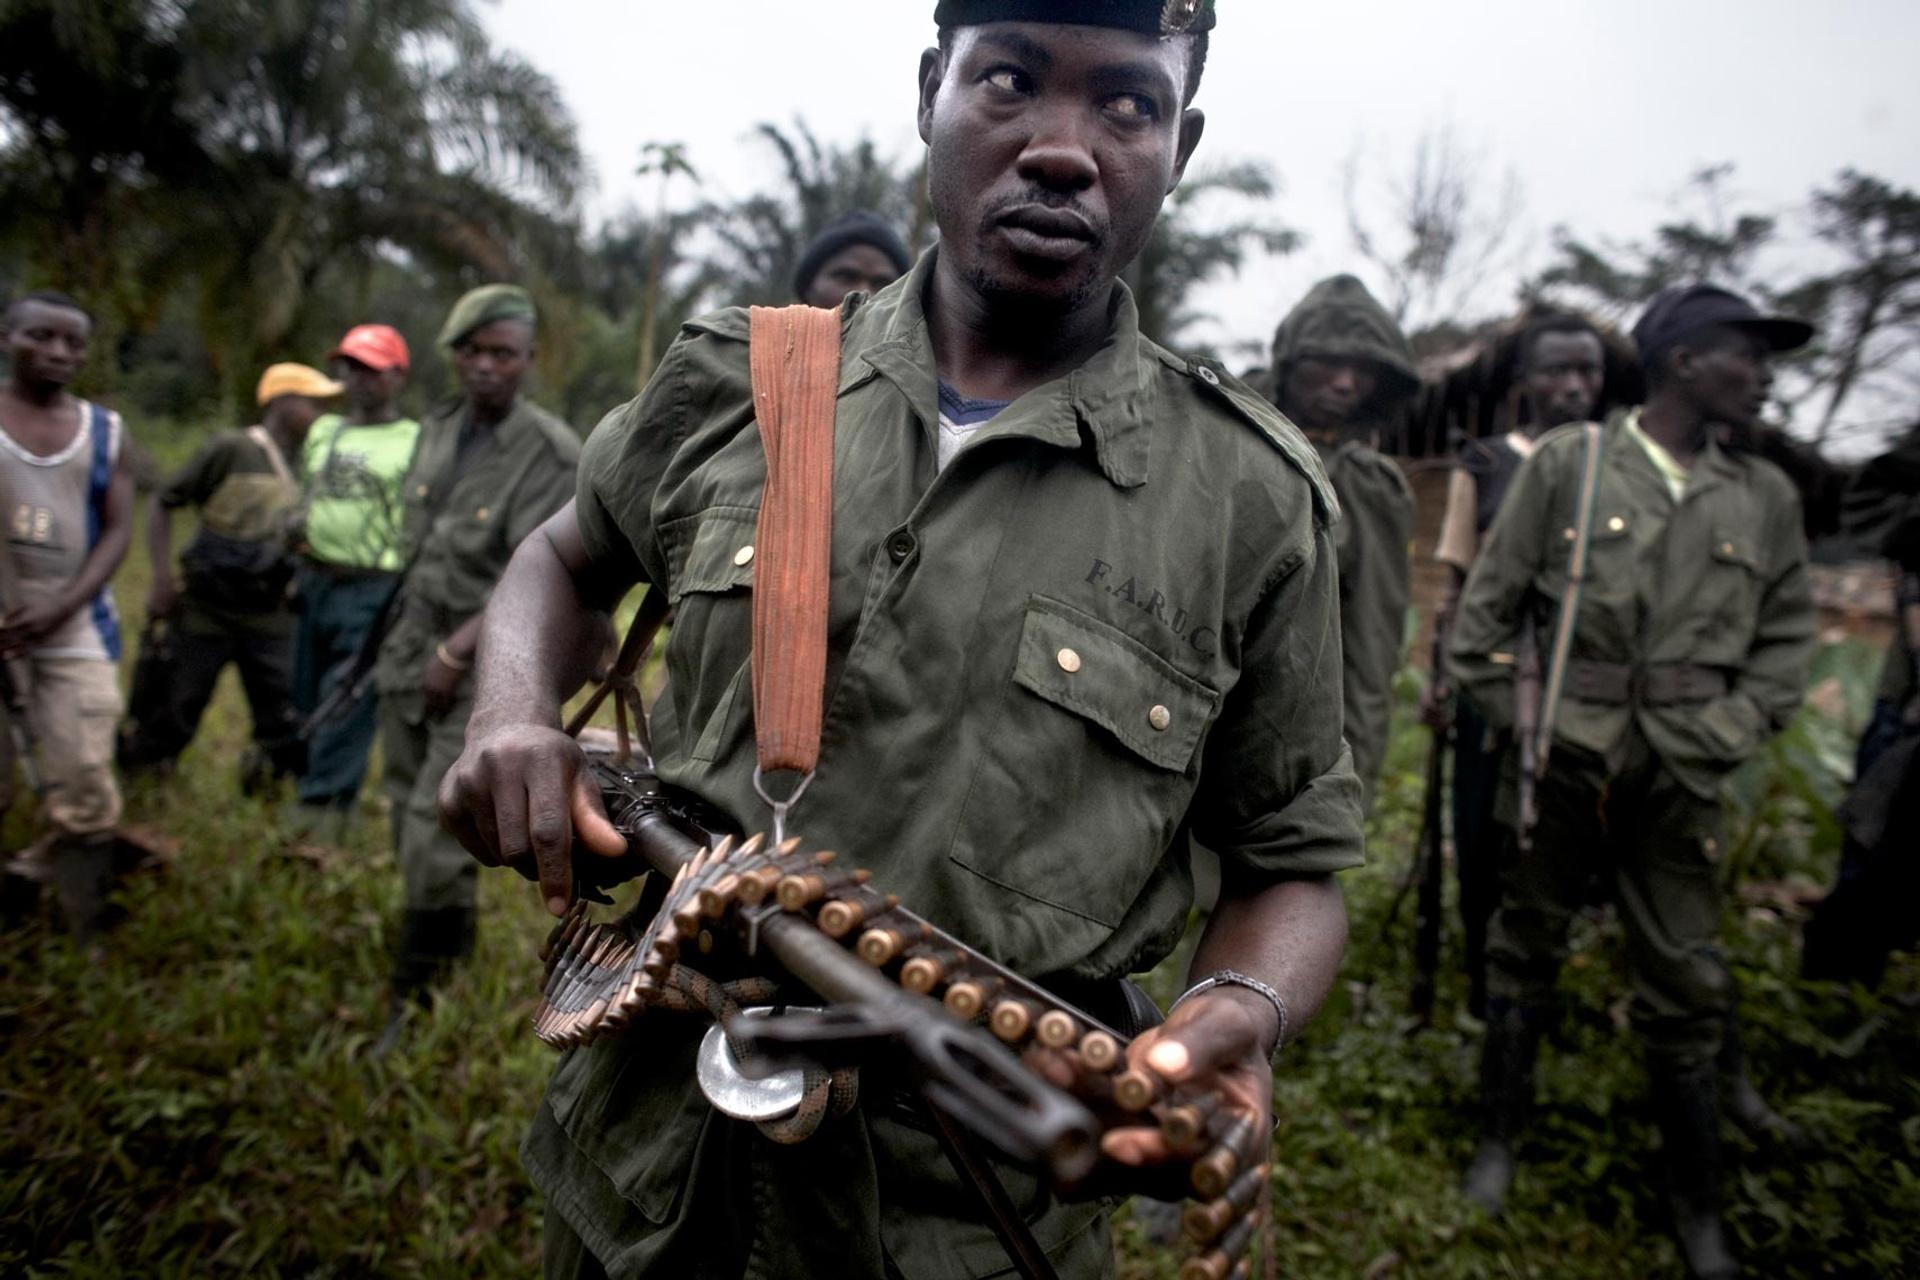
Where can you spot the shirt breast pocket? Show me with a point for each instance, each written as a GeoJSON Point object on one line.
{"type": "Point", "coordinates": [710, 558]}
{"type": "Point", "coordinates": [1732, 588]}
{"type": "Point", "coordinates": [1098, 725]}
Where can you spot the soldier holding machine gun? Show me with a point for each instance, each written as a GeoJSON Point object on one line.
{"type": "Point", "coordinates": [1664, 574]}
{"type": "Point", "coordinates": [1082, 599]}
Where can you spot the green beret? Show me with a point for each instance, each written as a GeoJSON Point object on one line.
{"type": "Point", "coordinates": [1151, 17]}
{"type": "Point", "coordinates": [488, 304]}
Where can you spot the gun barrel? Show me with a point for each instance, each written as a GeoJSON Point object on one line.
{"type": "Point", "coordinates": [1050, 1125]}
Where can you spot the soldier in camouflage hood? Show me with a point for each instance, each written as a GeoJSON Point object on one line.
{"type": "Point", "coordinates": [1340, 368]}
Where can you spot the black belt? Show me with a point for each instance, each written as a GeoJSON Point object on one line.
{"type": "Point", "coordinates": [1662, 684]}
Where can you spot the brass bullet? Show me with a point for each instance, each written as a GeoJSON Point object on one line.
{"type": "Point", "coordinates": [1204, 1222]}
{"type": "Point", "coordinates": [842, 917]}
{"type": "Point", "coordinates": [922, 973]}
{"type": "Point", "coordinates": [881, 947]}
{"type": "Point", "coordinates": [966, 999]}
{"type": "Point", "coordinates": [1011, 1019]}
{"type": "Point", "coordinates": [724, 848]}
{"type": "Point", "coordinates": [1135, 1089]}
{"type": "Point", "coordinates": [1219, 1264]}
{"type": "Point", "coordinates": [1100, 1051]}
{"type": "Point", "coordinates": [796, 892]}
{"type": "Point", "coordinates": [752, 845]}
{"type": "Point", "coordinates": [786, 847]}
{"type": "Point", "coordinates": [1056, 1029]}
{"type": "Point", "coordinates": [1184, 1124]}
{"type": "Point", "coordinates": [1214, 1172]}
{"type": "Point", "coordinates": [718, 896]}
{"type": "Point", "coordinates": [755, 885]}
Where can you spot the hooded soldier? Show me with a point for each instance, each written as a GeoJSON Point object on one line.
{"type": "Point", "coordinates": [1341, 368]}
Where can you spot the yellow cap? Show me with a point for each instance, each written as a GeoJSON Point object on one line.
{"type": "Point", "coordinates": [296, 380]}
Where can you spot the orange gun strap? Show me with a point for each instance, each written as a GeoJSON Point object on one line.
{"type": "Point", "coordinates": [795, 358]}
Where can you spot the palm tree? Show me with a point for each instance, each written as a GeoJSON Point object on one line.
{"type": "Point", "coordinates": [281, 144]}
{"type": "Point", "coordinates": [762, 236]}
{"type": "Point", "coordinates": [1186, 250]}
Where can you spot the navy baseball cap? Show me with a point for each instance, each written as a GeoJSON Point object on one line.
{"type": "Point", "coordinates": [1683, 310]}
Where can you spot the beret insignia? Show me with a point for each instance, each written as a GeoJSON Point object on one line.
{"type": "Point", "coordinates": [1178, 15]}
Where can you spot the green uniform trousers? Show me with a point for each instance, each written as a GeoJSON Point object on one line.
{"type": "Point", "coordinates": [1654, 844]}
{"type": "Point", "coordinates": [418, 751]}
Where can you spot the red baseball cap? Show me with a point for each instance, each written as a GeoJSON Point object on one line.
{"type": "Point", "coordinates": [377, 346]}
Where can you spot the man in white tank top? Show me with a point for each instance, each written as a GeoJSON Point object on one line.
{"type": "Point", "coordinates": [66, 500]}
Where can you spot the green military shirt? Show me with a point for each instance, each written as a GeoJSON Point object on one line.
{"type": "Point", "coordinates": [1375, 539]}
{"type": "Point", "coordinates": [1109, 620]}
{"type": "Point", "coordinates": [240, 493]}
{"type": "Point", "coordinates": [1716, 579]}
{"type": "Point", "coordinates": [462, 528]}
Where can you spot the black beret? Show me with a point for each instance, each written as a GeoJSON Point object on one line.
{"type": "Point", "coordinates": [1682, 310]}
{"type": "Point", "coordinates": [1151, 17]}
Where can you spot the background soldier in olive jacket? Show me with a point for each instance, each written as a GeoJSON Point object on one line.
{"type": "Point", "coordinates": [1341, 366]}
{"type": "Point", "coordinates": [1691, 647]}
{"type": "Point", "coordinates": [489, 470]}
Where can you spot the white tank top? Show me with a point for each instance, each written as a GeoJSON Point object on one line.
{"type": "Point", "coordinates": [51, 505]}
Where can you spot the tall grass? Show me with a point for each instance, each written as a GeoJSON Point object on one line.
{"type": "Point", "coordinates": [198, 1101]}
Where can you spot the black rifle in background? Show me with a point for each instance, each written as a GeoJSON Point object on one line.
{"type": "Point", "coordinates": [19, 728]}
{"type": "Point", "coordinates": [1430, 851]}
{"type": "Point", "coordinates": [356, 674]}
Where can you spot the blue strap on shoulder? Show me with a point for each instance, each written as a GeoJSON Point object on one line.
{"type": "Point", "coordinates": [99, 478]}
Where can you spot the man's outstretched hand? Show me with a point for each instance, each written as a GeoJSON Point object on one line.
{"type": "Point", "coordinates": [519, 796]}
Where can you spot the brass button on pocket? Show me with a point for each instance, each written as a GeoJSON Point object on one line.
{"type": "Point", "coordinates": [483, 513]}
{"type": "Point", "coordinates": [1616, 524]}
{"type": "Point", "coordinates": [1726, 548]}
{"type": "Point", "coordinates": [1069, 661]}
{"type": "Point", "coordinates": [744, 556]}
{"type": "Point", "coordinates": [1161, 719]}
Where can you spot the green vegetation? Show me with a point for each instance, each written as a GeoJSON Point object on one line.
{"type": "Point", "coordinates": [196, 1100]}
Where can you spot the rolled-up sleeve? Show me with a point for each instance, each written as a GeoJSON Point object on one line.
{"type": "Point", "coordinates": [621, 467]}
{"type": "Point", "coordinates": [1278, 791]}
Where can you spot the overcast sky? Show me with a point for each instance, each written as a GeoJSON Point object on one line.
{"type": "Point", "coordinates": [1601, 108]}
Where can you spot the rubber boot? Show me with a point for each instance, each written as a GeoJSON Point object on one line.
{"type": "Point", "coordinates": [1745, 1105]}
{"type": "Point", "coordinates": [1506, 1094]}
{"type": "Point", "coordinates": [431, 940]}
{"type": "Point", "coordinates": [1688, 1110]}
{"type": "Point", "coordinates": [83, 878]}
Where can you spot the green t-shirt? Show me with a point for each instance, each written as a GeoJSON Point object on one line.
{"type": "Point", "coordinates": [356, 491]}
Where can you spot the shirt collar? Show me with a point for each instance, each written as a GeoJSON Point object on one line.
{"type": "Point", "coordinates": [1106, 403]}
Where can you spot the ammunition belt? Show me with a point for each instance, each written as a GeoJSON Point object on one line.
{"type": "Point", "coordinates": [885, 972]}
{"type": "Point", "coordinates": [1662, 684]}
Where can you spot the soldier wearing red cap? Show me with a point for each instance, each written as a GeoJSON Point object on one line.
{"type": "Point", "coordinates": [355, 466]}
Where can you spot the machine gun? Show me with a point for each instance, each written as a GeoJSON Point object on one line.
{"type": "Point", "coordinates": [734, 930]}
{"type": "Point", "coordinates": [779, 924]}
